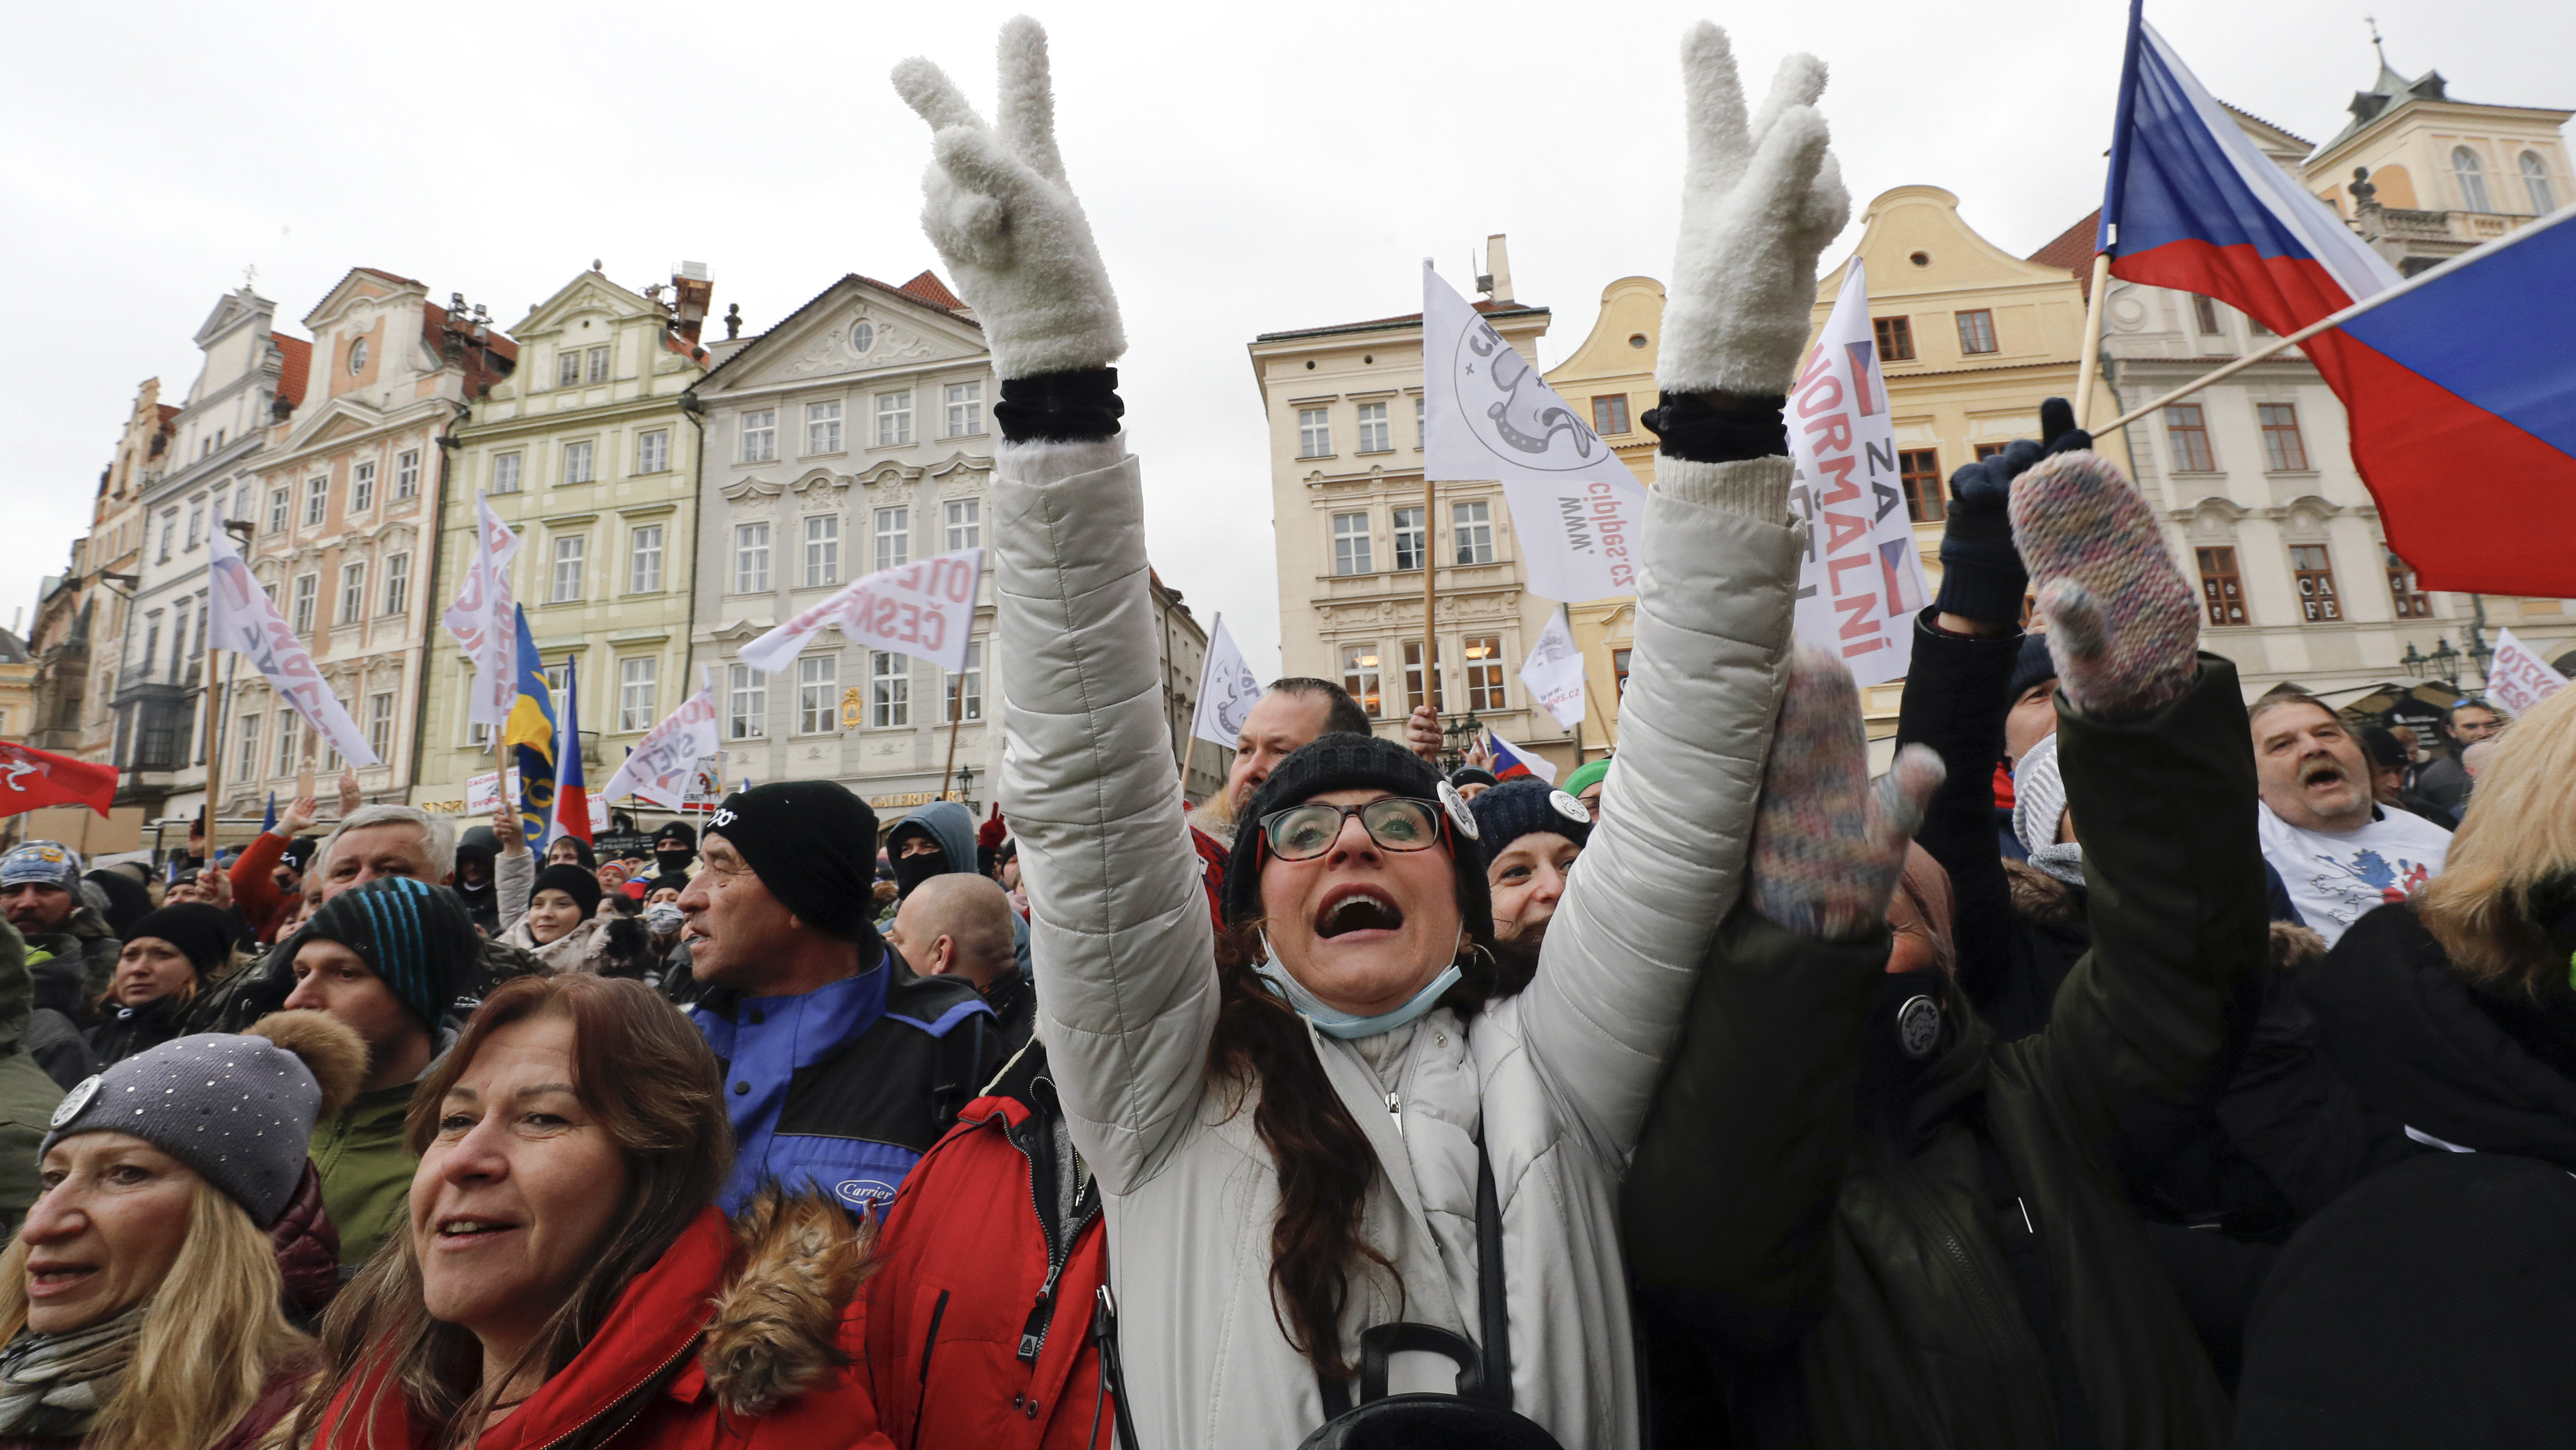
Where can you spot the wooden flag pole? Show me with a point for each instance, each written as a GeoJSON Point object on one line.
{"type": "Point", "coordinates": [956, 721]}
{"type": "Point", "coordinates": [2089, 367]}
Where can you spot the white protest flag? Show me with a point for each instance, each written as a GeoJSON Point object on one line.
{"type": "Point", "coordinates": [1228, 689]}
{"type": "Point", "coordinates": [926, 610]}
{"type": "Point", "coordinates": [242, 618]}
{"type": "Point", "coordinates": [1554, 672]}
{"type": "Point", "coordinates": [2518, 678]}
{"type": "Point", "coordinates": [1861, 582]}
{"type": "Point", "coordinates": [1486, 414]}
{"type": "Point", "coordinates": [484, 622]}
{"type": "Point", "coordinates": [665, 762]}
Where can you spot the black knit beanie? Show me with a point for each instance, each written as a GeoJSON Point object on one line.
{"type": "Point", "coordinates": [582, 886]}
{"type": "Point", "coordinates": [2033, 666]}
{"type": "Point", "coordinates": [1517, 807]}
{"type": "Point", "coordinates": [1349, 761]}
{"type": "Point", "coordinates": [416, 937]}
{"type": "Point", "coordinates": [813, 844]}
{"type": "Point", "coordinates": [203, 934]}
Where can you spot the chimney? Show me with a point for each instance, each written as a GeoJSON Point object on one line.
{"type": "Point", "coordinates": [1497, 281]}
{"type": "Point", "coordinates": [692, 289]}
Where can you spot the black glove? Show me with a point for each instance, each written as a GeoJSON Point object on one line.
{"type": "Point", "coordinates": [1981, 571]}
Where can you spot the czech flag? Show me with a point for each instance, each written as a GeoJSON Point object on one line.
{"type": "Point", "coordinates": [1511, 761]}
{"type": "Point", "coordinates": [2459, 384]}
{"type": "Point", "coordinates": [528, 739]}
{"type": "Point", "coordinates": [572, 801]}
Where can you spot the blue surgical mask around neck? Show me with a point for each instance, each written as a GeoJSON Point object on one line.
{"type": "Point", "coordinates": [1334, 1022]}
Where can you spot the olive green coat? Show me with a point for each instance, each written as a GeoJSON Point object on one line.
{"type": "Point", "coordinates": [27, 1095]}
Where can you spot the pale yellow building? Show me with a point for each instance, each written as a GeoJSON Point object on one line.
{"type": "Point", "coordinates": [2425, 177]}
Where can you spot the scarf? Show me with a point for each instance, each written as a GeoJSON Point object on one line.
{"type": "Point", "coordinates": [53, 1385]}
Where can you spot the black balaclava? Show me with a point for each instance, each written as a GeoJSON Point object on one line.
{"type": "Point", "coordinates": [911, 871]}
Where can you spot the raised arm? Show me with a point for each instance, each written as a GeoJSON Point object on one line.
{"type": "Point", "coordinates": [1118, 923]}
{"type": "Point", "coordinates": [1760, 199]}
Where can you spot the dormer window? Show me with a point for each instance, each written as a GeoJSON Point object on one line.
{"type": "Point", "coordinates": [357, 357]}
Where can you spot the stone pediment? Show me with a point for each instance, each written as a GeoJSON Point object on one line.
{"type": "Point", "coordinates": [743, 488]}
{"type": "Point", "coordinates": [974, 466]}
{"type": "Point", "coordinates": [865, 334]}
{"type": "Point", "coordinates": [820, 480]}
{"type": "Point", "coordinates": [888, 474]}
{"type": "Point", "coordinates": [588, 292]}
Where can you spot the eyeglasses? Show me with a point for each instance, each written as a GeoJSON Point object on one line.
{"type": "Point", "coordinates": [1301, 833]}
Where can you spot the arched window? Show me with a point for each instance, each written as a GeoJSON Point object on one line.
{"type": "Point", "coordinates": [2535, 179]}
{"type": "Point", "coordinates": [2473, 181]}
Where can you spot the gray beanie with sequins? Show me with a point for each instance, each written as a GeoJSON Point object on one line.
{"type": "Point", "coordinates": [237, 1108]}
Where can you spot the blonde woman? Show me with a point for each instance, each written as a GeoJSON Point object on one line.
{"type": "Point", "coordinates": [140, 1302]}
{"type": "Point", "coordinates": [2433, 1303]}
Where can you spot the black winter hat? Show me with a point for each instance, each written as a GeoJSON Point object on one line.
{"type": "Point", "coordinates": [1350, 761]}
{"type": "Point", "coordinates": [203, 934]}
{"type": "Point", "coordinates": [1517, 807]}
{"type": "Point", "coordinates": [1467, 775]}
{"type": "Point", "coordinates": [418, 938]}
{"type": "Point", "coordinates": [582, 886]}
{"type": "Point", "coordinates": [679, 833]}
{"type": "Point", "coordinates": [813, 844]}
{"type": "Point", "coordinates": [2033, 666]}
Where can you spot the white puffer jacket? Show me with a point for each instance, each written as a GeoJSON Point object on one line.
{"type": "Point", "coordinates": [1557, 1079]}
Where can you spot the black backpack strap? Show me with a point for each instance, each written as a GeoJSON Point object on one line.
{"type": "Point", "coordinates": [1113, 1372]}
{"type": "Point", "coordinates": [1493, 1307]}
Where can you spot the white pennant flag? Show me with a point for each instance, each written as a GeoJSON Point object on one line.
{"type": "Point", "coordinates": [242, 618]}
{"type": "Point", "coordinates": [664, 764]}
{"type": "Point", "coordinates": [926, 610]}
{"type": "Point", "coordinates": [484, 622]}
{"type": "Point", "coordinates": [1228, 689]}
{"type": "Point", "coordinates": [1487, 414]}
{"type": "Point", "coordinates": [2518, 678]}
{"type": "Point", "coordinates": [1861, 581]}
{"type": "Point", "coordinates": [1554, 672]}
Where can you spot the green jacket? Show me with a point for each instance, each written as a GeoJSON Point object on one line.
{"type": "Point", "coordinates": [27, 1096]}
{"type": "Point", "coordinates": [1922, 1339]}
{"type": "Point", "coordinates": [366, 1170]}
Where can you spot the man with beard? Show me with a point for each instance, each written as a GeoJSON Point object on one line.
{"type": "Point", "coordinates": [2445, 782]}
{"type": "Point", "coordinates": [2338, 851]}
{"type": "Point", "coordinates": [40, 890]}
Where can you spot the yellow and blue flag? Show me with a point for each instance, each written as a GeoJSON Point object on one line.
{"type": "Point", "coordinates": [528, 738]}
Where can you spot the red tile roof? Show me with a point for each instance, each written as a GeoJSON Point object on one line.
{"type": "Point", "coordinates": [169, 412]}
{"type": "Point", "coordinates": [2073, 250]}
{"type": "Point", "coordinates": [928, 288]}
{"type": "Point", "coordinates": [480, 371]}
{"type": "Point", "coordinates": [296, 369]}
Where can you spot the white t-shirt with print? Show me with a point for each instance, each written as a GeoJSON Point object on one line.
{"type": "Point", "coordinates": [2334, 877]}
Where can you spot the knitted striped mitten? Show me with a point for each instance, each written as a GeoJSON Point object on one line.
{"type": "Point", "coordinates": [1827, 845]}
{"type": "Point", "coordinates": [2122, 624]}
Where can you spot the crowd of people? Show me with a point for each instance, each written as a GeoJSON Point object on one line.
{"type": "Point", "coordinates": [2123, 1066]}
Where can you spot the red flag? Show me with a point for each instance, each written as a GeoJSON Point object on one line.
{"type": "Point", "coordinates": [30, 778]}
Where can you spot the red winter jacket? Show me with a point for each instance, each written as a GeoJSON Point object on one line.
{"type": "Point", "coordinates": [971, 1341]}
{"type": "Point", "coordinates": [643, 1381]}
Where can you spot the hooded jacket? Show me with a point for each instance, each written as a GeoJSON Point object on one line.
{"type": "Point", "coordinates": [981, 1339]}
{"type": "Point", "coordinates": [27, 1095]}
{"type": "Point", "coordinates": [1555, 1080]}
{"type": "Point", "coordinates": [730, 1339]}
{"type": "Point", "coordinates": [952, 827]}
{"type": "Point", "coordinates": [85, 950]}
{"type": "Point", "coordinates": [366, 1168]}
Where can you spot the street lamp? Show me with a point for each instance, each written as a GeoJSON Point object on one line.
{"type": "Point", "coordinates": [2414, 660]}
{"type": "Point", "coordinates": [2445, 662]}
{"type": "Point", "coordinates": [1455, 737]}
{"type": "Point", "coordinates": [2479, 653]}
{"type": "Point", "coordinates": [966, 786]}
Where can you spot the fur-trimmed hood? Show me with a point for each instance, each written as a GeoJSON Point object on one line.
{"type": "Point", "coordinates": [774, 1333]}
{"type": "Point", "coordinates": [2042, 897]}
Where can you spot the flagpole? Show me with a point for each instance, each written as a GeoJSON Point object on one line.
{"type": "Point", "coordinates": [1190, 753]}
{"type": "Point", "coordinates": [1430, 586]}
{"type": "Point", "coordinates": [956, 721]}
{"type": "Point", "coordinates": [2089, 366]}
{"type": "Point", "coordinates": [2106, 239]}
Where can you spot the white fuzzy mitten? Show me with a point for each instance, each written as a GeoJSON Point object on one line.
{"type": "Point", "coordinates": [996, 205]}
{"type": "Point", "coordinates": [1760, 200]}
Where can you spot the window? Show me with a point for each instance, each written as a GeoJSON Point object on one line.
{"type": "Point", "coordinates": [818, 694]}
{"type": "Point", "coordinates": [196, 524]}
{"type": "Point", "coordinates": [1484, 654]}
{"type": "Point", "coordinates": [822, 550]}
{"type": "Point", "coordinates": [288, 727]}
{"type": "Point", "coordinates": [644, 560]}
{"type": "Point", "coordinates": [2412, 601]}
{"type": "Point", "coordinates": [353, 594]}
{"type": "Point", "coordinates": [965, 523]}
{"type": "Point", "coordinates": [362, 487]}
{"type": "Point", "coordinates": [823, 427]}
{"type": "Point", "coordinates": [407, 474]}
{"type": "Point", "coordinates": [246, 764]}
{"type": "Point", "coordinates": [1413, 680]}
{"type": "Point", "coordinates": [862, 338]}
{"type": "Point", "coordinates": [1360, 678]}
{"type": "Point", "coordinates": [357, 357]}
{"type": "Point", "coordinates": [558, 683]}
{"type": "Point", "coordinates": [179, 640]}
{"type": "Point", "coordinates": [2473, 180]}
{"type": "Point", "coordinates": [151, 641]}
{"type": "Point", "coordinates": [1471, 527]}
{"type": "Point", "coordinates": [1375, 436]}
{"type": "Point", "coordinates": [2204, 313]}
{"type": "Point", "coordinates": [568, 368]}
{"type": "Point", "coordinates": [169, 534]}
{"type": "Point", "coordinates": [1976, 331]}
{"type": "Point", "coordinates": [577, 462]}
{"type": "Point", "coordinates": [2282, 450]}
{"type": "Point", "coordinates": [1419, 437]}
{"type": "Point", "coordinates": [965, 409]}
{"type": "Point", "coordinates": [964, 691]}
{"type": "Point", "coordinates": [1610, 414]}
{"type": "Point", "coordinates": [894, 537]}
{"type": "Point", "coordinates": [1407, 531]}
{"type": "Point", "coordinates": [894, 419]}
{"type": "Point", "coordinates": [317, 499]}
{"type": "Point", "coordinates": [751, 558]}
{"type": "Point", "coordinates": [2535, 182]}
{"type": "Point", "coordinates": [1314, 433]}
{"type": "Point", "coordinates": [1895, 338]}
{"type": "Point", "coordinates": [889, 689]}
{"type": "Point", "coordinates": [746, 703]}
{"type": "Point", "coordinates": [567, 580]}
{"type": "Point", "coordinates": [760, 436]}
{"type": "Point", "coordinates": [1351, 544]}
{"type": "Point", "coordinates": [2187, 434]}
{"type": "Point", "coordinates": [2314, 571]}
{"type": "Point", "coordinates": [599, 365]}
{"type": "Point", "coordinates": [380, 725]}
{"type": "Point", "coordinates": [653, 450]}
{"type": "Point", "coordinates": [198, 649]}
{"type": "Point", "coordinates": [1919, 470]}
{"type": "Point", "coordinates": [635, 685]}
{"type": "Point", "coordinates": [279, 501]}
{"type": "Point", "coordinates": [307, 588]}
{"type": "Point", "coordinates": [505, 473]}
{"type": "Point", "coordinates": [397, 583]}
{"type": "Point", "coordinates": [2222, 593]}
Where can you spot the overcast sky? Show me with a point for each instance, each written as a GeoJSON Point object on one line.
{"type": "Point", "coordinates": [1248, 168]}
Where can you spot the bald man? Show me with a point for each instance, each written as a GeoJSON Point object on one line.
{"type": "Point", "coordinates": [959, 925]}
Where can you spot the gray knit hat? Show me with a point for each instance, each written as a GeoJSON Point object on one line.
{"type": "Point", "coordinates": [239, 1109]}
